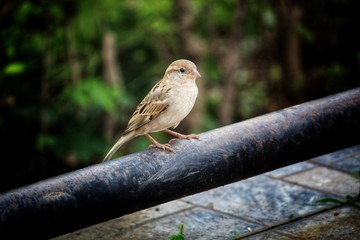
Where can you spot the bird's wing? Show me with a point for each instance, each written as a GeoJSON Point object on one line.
{"type": "Point", "coordinates": [154, 103]}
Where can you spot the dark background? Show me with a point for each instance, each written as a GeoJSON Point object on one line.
{"type": "Point", "coordinates": [72, 72]}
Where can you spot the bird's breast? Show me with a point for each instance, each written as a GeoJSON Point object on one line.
{"type": "Point", "coordinates": [184, 99]}
{"type": "Point", "coordinates": [180, 102]}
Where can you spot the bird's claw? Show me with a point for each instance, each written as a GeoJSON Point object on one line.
{"type": "Point", "coordinates": [165, 146]}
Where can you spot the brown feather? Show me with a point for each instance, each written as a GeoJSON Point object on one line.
{"type": "Point", "coordinates": [150, 107]}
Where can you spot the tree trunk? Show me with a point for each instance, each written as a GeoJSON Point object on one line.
{"type": "Point", "coordinates": [228, 60]}
{"type": "Point", "coordinates": [226, 50]}
{"type": "Point", "coordinates": [291, 15]}
{"type": "Point", "coordinates": [112, 76]}
{"type": "Point", "coordinates": [44, 99]}
{"type": "Point", "coordinates": [73, 55]}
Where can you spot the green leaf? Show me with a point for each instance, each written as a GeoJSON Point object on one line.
{"type": "Point", "coordinates": [14, 68]}
{"type": "Point", "coordinates": [179, 236]}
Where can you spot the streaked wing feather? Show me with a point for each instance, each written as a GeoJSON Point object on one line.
{"type": "Point", "coordinates": [154, 103]}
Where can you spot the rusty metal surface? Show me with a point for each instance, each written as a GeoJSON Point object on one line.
{"type": "Point", "coordinates": [104, 191]}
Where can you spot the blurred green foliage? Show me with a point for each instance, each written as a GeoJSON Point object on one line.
{"type": "Point", "coordinates": [91, 95]}
{"type": "Point", "coordinates": [14, 68]}
{"type": "Point", "coordinates": [58, 104]}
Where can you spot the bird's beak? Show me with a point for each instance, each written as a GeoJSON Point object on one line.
{"type": "Point", "coordinates": [195, 73]}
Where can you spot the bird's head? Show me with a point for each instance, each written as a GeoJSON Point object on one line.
{"type": "Point", "coordinates": [182, 70]}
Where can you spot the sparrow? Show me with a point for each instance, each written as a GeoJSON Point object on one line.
{"type": "Point", "coordinates": [164, 107]}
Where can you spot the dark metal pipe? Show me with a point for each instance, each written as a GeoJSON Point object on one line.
{"type": "Point", "coordinates": [104, 191]}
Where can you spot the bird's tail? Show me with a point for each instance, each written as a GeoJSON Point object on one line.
{"type": "Point", "coordinates": [123, 139]}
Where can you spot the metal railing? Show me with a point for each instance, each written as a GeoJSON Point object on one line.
{"type": "Point", "coordinates": [108, 190]}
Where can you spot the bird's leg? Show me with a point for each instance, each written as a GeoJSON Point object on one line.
{"type": "Point", "coordinates": [156, 144]}
{"type": "Point", "coordinates": [180, 136]}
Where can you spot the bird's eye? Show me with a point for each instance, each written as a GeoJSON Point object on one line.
{"type": "Point", "coordinates": [182, 70]}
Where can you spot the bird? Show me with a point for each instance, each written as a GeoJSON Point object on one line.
{"type": "Point", "coordinates": [164, 107]}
